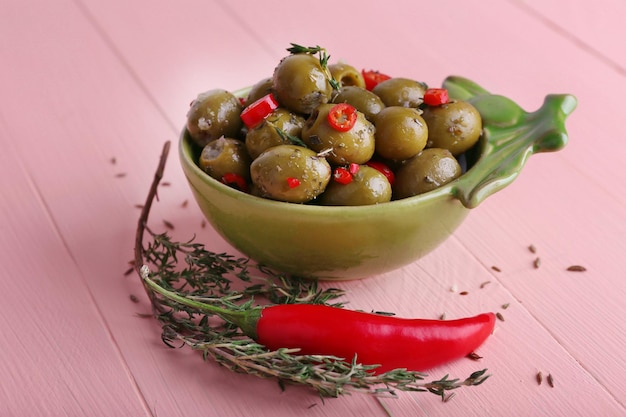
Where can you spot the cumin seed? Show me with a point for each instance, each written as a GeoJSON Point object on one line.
{"type": "Point", "coordinates": [474, 356]}
{"type": "Point", "coordinates": [495, 268]}
{"type": "Point", "coordinates": [169, 225]}
{"type": "Point", "coordinates": [550, 380]}
{"type": "Point", "coordinates": [577, 268]}
{"type": "Point", "coordinates": [464, 293]}
{"type": "Point", "coordinates": [166, 184]}
{"type": "Point", "coordinates": [139, 206]}
{"type": "Point", "coordinates": [484, 284]}
{"type": "Point", "coordinates": [113, 161]}
{"type": "Point", "coordinates": [185, 203]}
{"type": "Point", "coordinates": [505, 306]}
{"type": "Point", "coordinates": [539, 378]}
{"type": "Point", "coordinates": [203, 224]}
{"type": "Point", "coordinates": [499, 316]}
{"type": "Point", "coordinates": [120, 175]}
{"type": "Point", "coordinates": [449, 397]}
{"type": "Point", "coordinates": [532, 248]}
{"type": "Point", "coordinates": [129, 271]}
{"type": "Point", "coordinates": [133, 298]}
{"type": "Point", "coordinates": [537, 263]}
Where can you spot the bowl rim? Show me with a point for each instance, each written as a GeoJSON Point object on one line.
{"type": "Point", "coordinates": [185, 146]}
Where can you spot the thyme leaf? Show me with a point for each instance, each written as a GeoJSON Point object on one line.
{"type": "Point", "coordinates": [231, 285]}
{"type": "Point", "coordinates": [290, 138]}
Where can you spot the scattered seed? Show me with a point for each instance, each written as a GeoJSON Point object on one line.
{"type": "Point", "coordinates": [539, 378]}
{"type": "Point", "coordinates": [443, 316]}
{"type": "Point", "coordinates": [449, 397]}
{"type": "Point", "coordinates": [384, 313]}
{"type": "Point", "coordinates": [577, 268]}
{"type": "Point", "coordinates": [312, 405]}
{"type": "Point", "coordinates": [453, 288]}
{"type": "Point", "coordinates": [500, 316]}
{"type": "Point", "coordinates": [474, 356]}
{"type": "Point", "coordinates": [185, 203]}
{"type": "Point", "coordinates": [550, 380]}
{"type": "Point", "coordinates": [484, 284]}
{"type": "Point", "coordinates": [203, 224]}
{"type": "Point", "coordinates": [505, 306]}
{"type": "Point", "coordinates": [120, 175]}
{"type": "Point", "coordinates": [532, 249]}
{"type": "Point", "coordinates": [169, 225]}
{"type": "Point", "coordinates": [537, 263]}
{"type": "Point", "coordinates": [139, 206]}
{"type": "Point", "coordinates": [166, 184]}
{"type": "Point", "coordinates": [464, 293]}
{"type": "Point", "coordinates": [113, 161]}
{"type": "Point", "coordinates": [134, 299]}
{"type": "Point", "coordinates": [495, 268]}
{"type": "Point", "coordinates": [129, 271]}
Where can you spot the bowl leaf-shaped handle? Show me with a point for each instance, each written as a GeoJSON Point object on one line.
{"type": "Point", "coordinates": [510, 137]}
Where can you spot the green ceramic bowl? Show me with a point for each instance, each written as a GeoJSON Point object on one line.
{"type": "Point", "coordinates": [337, 243]}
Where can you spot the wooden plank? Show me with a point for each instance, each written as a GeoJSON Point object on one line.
{"type": "Point", "coordinates": [59, 356]}
{"type": "Point", "coordinates": [596, 28]}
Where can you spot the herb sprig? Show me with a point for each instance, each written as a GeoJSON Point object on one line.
{"type": "Point", "coordinates": [323, 57]}
{"type": "Point", "coordinates": [188, 272]}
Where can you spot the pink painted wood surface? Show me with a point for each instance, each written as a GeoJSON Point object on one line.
{"type": "Point", "coordinates": [83, 82]}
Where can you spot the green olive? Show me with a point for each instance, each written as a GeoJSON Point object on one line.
{"type": "Point", "coordinates": [346, 75]}
{"type": "Point", "coordinates": [401, 133]}
{"type": "Point", "coordinates": [266, 135]}
{"type": "Point", "coordinates": [357, 145]}
{"type": "Point", "coordinates": [361, 99]}
{"type": "Point", "coordinates": [214, 114]}
{"type": "Point", "coordinates": [300, 83]}
{"type": "Point", "coordinates": [455, 126]}
{"type": "Point", "coordinates": [426, 171]}
{"type": "Point", "coordinates": [223, 156]}
{"type": "Point", "coordinates": [259, 90]}
{"type": "Point", "coordinates": [290, 173]}
{"type": "Point", "coordinates": [400, 92]}
{"type": "Point", "coordinates": [368, 186]}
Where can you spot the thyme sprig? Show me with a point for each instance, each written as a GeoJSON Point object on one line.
{"type": "Point", "coordinates": [290, 138]}
{"type": "Point", "coordinates": [323, 57]}
{"type": "Point", "coordinates": [183, 278]}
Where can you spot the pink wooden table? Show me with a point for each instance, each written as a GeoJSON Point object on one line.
{"type": "Point", "coordinates": [83, 83]}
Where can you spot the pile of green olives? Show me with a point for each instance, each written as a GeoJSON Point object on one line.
{"type": "Point", "coordinates": [328, 134]}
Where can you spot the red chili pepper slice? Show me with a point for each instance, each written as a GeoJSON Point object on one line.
{"type": "Point", "coordinates": [384, 169]}
{"type": "Point", "coordinates": [293, 182]}
{"type": "Point", "coordinates": [353, 168]}
{"type": "Point", "coordinates": [342, 176]}
{"type": "Point", "coordinates": [235, 180]}
{"type": "Point", "coordinates": [256, 112]}
{"type": "Point", "coordinates": [373, 78]}
{"type": "Point", "coordinates": [342, 117]}
{"type": "Point", "coordinates": [436, 96]}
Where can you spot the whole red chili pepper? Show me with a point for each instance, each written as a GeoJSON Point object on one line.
{"type": "Point", "coordinates": [375, 339]}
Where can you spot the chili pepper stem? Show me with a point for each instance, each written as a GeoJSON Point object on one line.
{"type": "Point", "coordinates": [246, 320]}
